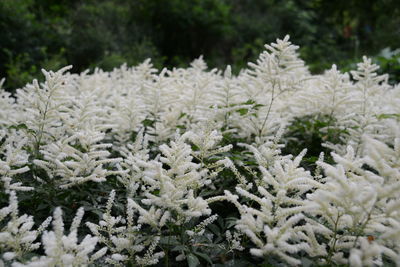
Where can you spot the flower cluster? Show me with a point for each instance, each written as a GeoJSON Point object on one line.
{"type": "Point", "coordinates": [197, 166]}
{"type": "Point", "coordinates": [123, 238]}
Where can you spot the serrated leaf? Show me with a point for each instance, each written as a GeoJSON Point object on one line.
{"type": "Point", "coordinates": [179, 248]}
{"type": "Point", "coordinates": [204, 256]}
{"type": "Point", "coordinates": [192, 260]}
{"type": "Point", "coordinates": [214, 229]}
{"type": "Point", "coordinates": [169, 240]}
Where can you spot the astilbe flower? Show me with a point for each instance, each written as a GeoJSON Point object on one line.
{"type": "Point", "coordinates": [86, 112]}
{"type": "Point", "coordinates": [199, 229]}
{"type": "Point", "coordinates": [254, 103]}
{"type": "Point", "coordinates": [278, 72]}
{"type": "Point", "coordinates": [353, 108]}
{"type": "Point", "coordinates": [79, 128]}
{"type": "Point", "coordinates": [196, 236]}
{"type": "Point", "coordinates": [77, 159]}
{"type": "Point", "coordinates": [330, 94]}
{"type": "Point", "coordinates": [13, 160]}
{"type": "Point", "coordinates": [370, 88]}
{"type": "Point", "coordinates": [127, 114]}
{"type": "Point", "coordinates": [41, 105]}
{"type": "Point", "coordinates": [234, 241]}
{"type": "Point", "coordinates": [66, 250]}
{"type": "Point", "coordinates": [200, 97]}
{"type": "Point", "coordinates": [228, 100]}
{"type": "Point", "coordinates": [359, 207]}
{"type": "Point", "coordinates": [93, 104]}
{"type": "Point", "coordinates": [206, 139]}
{"type": "Point", "coordinates": [123, 238]}
{"type": "Point", "coordinates": [158, 96]}
{"type": "Point", "coordinates": [275, 220]}
{"type": "Point", "coordinates": [8, 116]}
{"type": "Point", "coordinates": [169, 183]}
{"type": "Point", "coordinates": [17, 236]}
{"type": "Point", "coordinates": [208, 151]}
{"type": "Point", "coordinates": [133, 167]}
{"type": "Point", "coordinates": [389, 104]}
{"type": "Point", "coordinates": [173, 197]}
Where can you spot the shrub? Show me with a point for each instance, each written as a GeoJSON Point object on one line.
{"type": "Point", "coordinates": [191, 166]}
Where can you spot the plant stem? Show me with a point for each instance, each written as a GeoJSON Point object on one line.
{"type": "Point", "coordinates": [332, 249]}
{"type": "Point", "coordinates": [269, 109]}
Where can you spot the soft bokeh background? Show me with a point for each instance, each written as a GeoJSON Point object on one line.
{"type": "Point", "coordinates": [107, 33]}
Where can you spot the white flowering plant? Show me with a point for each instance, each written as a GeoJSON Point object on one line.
{"type": "Point", "coordinates": [273, 166]}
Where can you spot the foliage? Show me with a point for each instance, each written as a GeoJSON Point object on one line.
{"type": "Point", "coordinates": [108, 33]}
{"type": "Point", "coordinates": [389, 61]}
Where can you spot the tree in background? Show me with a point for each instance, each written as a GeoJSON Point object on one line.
{"type": "Point", "coordinates": [106, 33]}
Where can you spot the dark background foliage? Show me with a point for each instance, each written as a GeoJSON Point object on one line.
{"type": "Point", "coordinates": [106, 33]}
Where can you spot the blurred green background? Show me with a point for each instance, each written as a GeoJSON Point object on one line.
{"type": "Point", "coordinates": [106, 33]}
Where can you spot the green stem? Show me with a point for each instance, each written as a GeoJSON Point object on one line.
{"type": "Point", "coordinates": [333, 247]}
{"type": "Point", "coordinates": [269, 110]}
{"type": "Point", "coordinates": [361, 229]}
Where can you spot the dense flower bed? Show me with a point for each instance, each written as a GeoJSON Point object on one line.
{"type": "Point", "coordinates": [195, 167]}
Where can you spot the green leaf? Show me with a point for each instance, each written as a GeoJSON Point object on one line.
{"type": "Point", "coordinates": [22, 126]}
{"type": "Point", "coordinates": [230, 222]}
{"type": "Point", "coordinates": [179, 248]}
{"type": "Point", "coordinates": [169, 240]}
{"type": "Point", "coordinates": [148, 122]}
{"type": "Point", "coordinates": [243, 111]}
{"type": "Point", "coordinates": [388, 116]}
{"type": "Point", "coordinates": [182, 115]}
{"type": "Point", "coordinates": [249, 102]}
{"type": "Point", "coordinates": [306, 262]}
{"type": "Point", "coordinates": [214, 229]}
{"type": "Point", "coordinates": [156, 192]}
{"type": "Point", "coordinates": [204, 256]}
{"type": "Point", "coordinates": [19, 126]}
{"type": "Point", "coordinates": [192, 260]}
